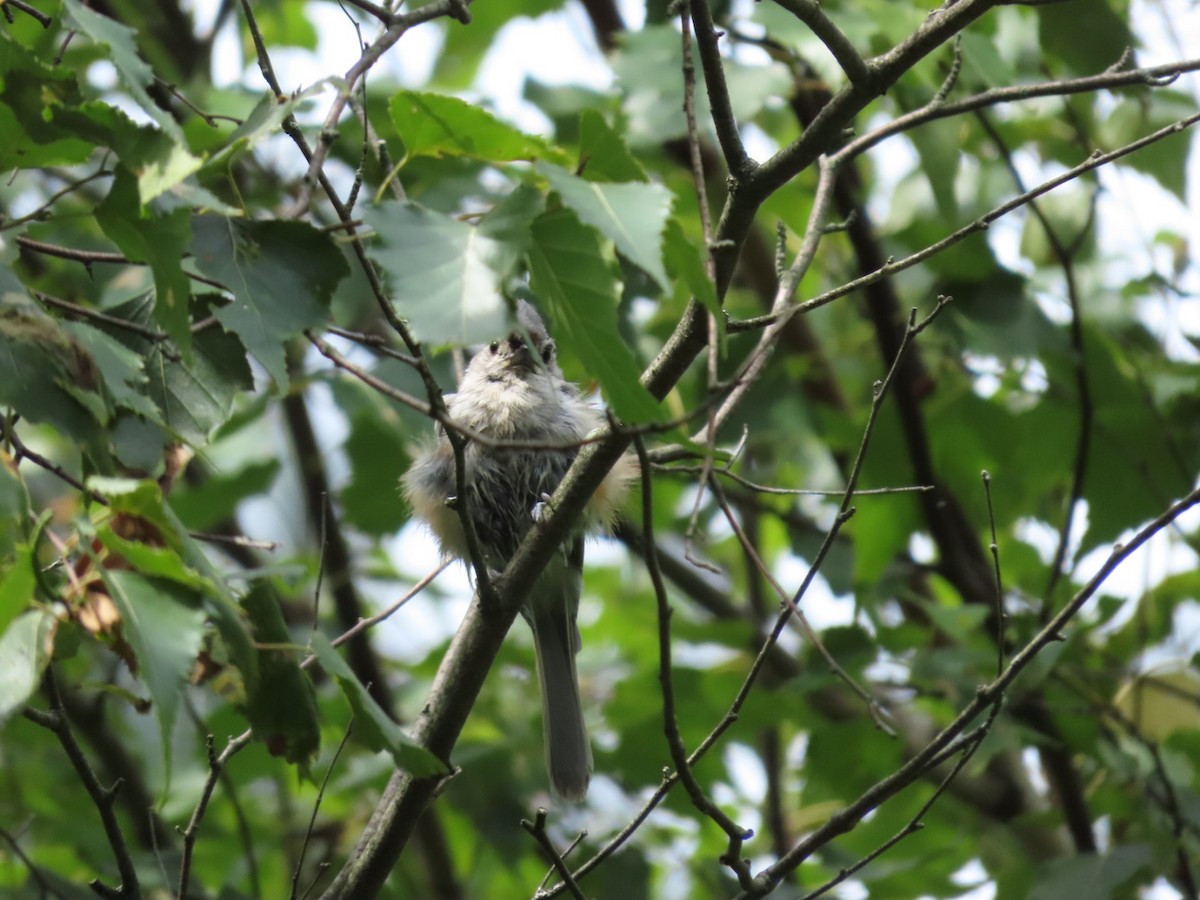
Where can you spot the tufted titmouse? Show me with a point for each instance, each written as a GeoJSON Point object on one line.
{"type": "Point", "coordinates": [513, 390]}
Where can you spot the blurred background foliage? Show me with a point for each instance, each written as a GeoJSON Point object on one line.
{"type": "Point", "coordinates": [192, 493]}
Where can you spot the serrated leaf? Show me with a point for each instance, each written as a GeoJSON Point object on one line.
{"type": "Point", "coordinates": [25, 650]}
{"type": "Point", "coordinates": [372, 726]}
{"type": "Point", "coordinates": [508, 225]}
{"type": "Point", "coordinates": [135, 75]}
{"type": "Point", "coordinates": [602, 152]}
{"type": "Point", "coordinates": [438, 125]}
{"type": "Point", "coordinates": [444, 273]}
{"type": "Point", "coordinates": [122, 369]}
{"type": "Point", "coordinates": [28, 89]}
{"type": "Point", "coordinates": [45, 375]}
{"type": "Point", "coordinates": [281, 704]}
{"type": "Point", "coordinates": [263, 122]}
{"type": "Point", "coordinates": [17, 584]}
{"type": "Point", "coordinates": [158, 241]}
{"type": "Point", "coordinates": [157, 161]}
{"type": "Point", "coordinates": [157, 562]}
{"type": "Point", "coordinates": [282, 275]}
{"type": "Point", "coordinates": [632, 215]}
{"type": "Point", "coordinates": [164, 624]}
{"type": "Point", "coordinates": [571, 272]}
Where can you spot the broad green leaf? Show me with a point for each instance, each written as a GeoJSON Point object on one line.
{"type": "Point", "coordinates": [1097, 876]}
{"type": "Point", "coordinates": [282, 275]}
{"type": "Point", "coordinates": [14, 506]}
{"type": "Point", "coordinates": [164, 624]}
{"type": "Point", "coordinates": [26, 647]}
{"type": "Point", "coordinates": [437, 125]}
{"type": "Point", "coordinates": [1083, 44]}
{"type": "Point", "coordinates": [378, 457]}
{"type": "Point", "coordinates": [937, 145]}
{"type": "Point", "coordinates": [1165, 161]}
{"type": "Point", "coordinates": [159, 163]}
{"type": "Point", "coordinates": [28, 90]}
{"type": "Point", "coordinates": [632, 215]}
{"type": "Point", "coordinates": [281, 704]}
{"type": "Point", "coordinates": [371, 725]}
{"type": "Point", "coordinates": [122, 369]}
{"type": "Point", "coordinates": [508, 225]}
{"type": "Point", "coordinates": [45, 375]}
{"type": "Point", "coordinates": [158, 241]}
{"type": "Point", "coordinates": [1160, 702]}
{"type": "Point", "coordinates": [17, 583]}
{"type": "Point", "coordinates": [152, 561]}
{"type": "Point", "coordinates": [444, 273]}
{"type": "Point", "coordinates": [135, 75]}
{"type": "Point", "coordinates": [648, 67]}
{"type": "Point", "coordinates": [686, 266]}
{"type": "Point", "coordinates": [197, 395]}
{"type": "Point", "coordinates": [603, 155]}
{"type": "Point", "coordinates": [263, 122]}
{"type": "Point", "coordinates": [571, 271]}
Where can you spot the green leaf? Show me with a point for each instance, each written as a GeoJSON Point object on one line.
{"type": "Point", "coordinates": [602, 152]}
{"type": "Point", "coordinates": [197, 395]}
{"type": "Point", "coordinates": [1085, 44]}
{"type": "Point", "coordinates": [263, 122]}
{"type": "Point", "coordinates": [17, 584]}
{"type": "Point", "coordinates": [164, 624]}
{"type": "Point", "coordinates": [437, 125]}
{"type": "Point", "coordinates": [281, 704]}
{"type": "Point", "coordinates": [25, 650]}
{"type": "Point", "coordinates": [378, 457]}
{"type": "Point", "coordinates": [570, 270]}
{"type": "Point", "coordinates": [45, 375]}
{"type": "Point", "coordinates": [122, 369]}
{"type": "Point", "coordinates": [152, 561]}
{"type": "Point", "coordinates": [508, 225]}
{"type": "Point", "coordinates": [29, 89]}
{"type": "Point", "coordinates": [938, 145]}
{"type": "Point", "coordinates": [158, 241]}
{"type": "Point", "coordinates": [686, 265]}
{"type": "Point", "coordinates": [14, 506]}
{"type": "Point", "coordinates": [1093, 875]}
{"type": "Point", "coordinates": [159, 163]}
{"type": "Point", "coordinates": [282, 275]}
{"type": "Point", "coordinates": [632, 215]}
{"type": "Point", "coordinates": [371, 725]}
{"type": "Point", "coordinates": [648, 66]}
{"type": "Point", "coordinates": [444, 273]}
{"type": "Point", "coordinates": [135, 75]}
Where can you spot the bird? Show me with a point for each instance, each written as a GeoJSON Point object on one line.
{"type": "Point", "coordinates": [513, 390]}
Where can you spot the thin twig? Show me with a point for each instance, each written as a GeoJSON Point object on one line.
{"type": "Point", "coordinates": [537, 828]}
{"type": "Point", "coordinates": [44, 20]}
{"type": "Point", "coordinates": [892, 266]}
{"type": "Point", "coordinates": [312, 820]}
{"type": "Point", "coordinates": [985, 696]}
{"type": "Point", "coordinates": [736, 834]}
{"type": "Point", "coordinates": [215, 765]}
{"type": "Point", "coordinates": [994, 547]}
{"type": "Point", "coordinates": [103, 798]}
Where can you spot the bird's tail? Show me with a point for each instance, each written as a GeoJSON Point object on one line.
{"type": "Point", "coordinates": [568, 751]}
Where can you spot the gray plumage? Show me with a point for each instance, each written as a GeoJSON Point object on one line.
{"type": "Point", "coordinates": [513, 389]}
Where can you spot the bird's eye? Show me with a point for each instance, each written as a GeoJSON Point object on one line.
{"type": "Point", "coordinates": [548, 352]}
{"type": "Point", "coordinates": [494, 346]}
